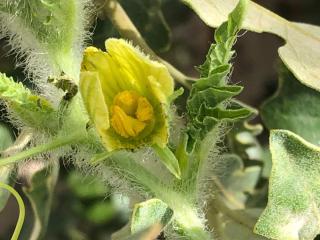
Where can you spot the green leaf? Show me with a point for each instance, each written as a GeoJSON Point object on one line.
{"type": "Point", "coordinates": [293, 107]}
{"type": "Point", "coordinates": [148, 213]}
{"type": "Point", "coordinates": [148, 17]}
{"type": "Point", "coordinates": [49, 30]}
{"type": "Point", "coordinates": [39, 191]}
{"type": "Point", "coordinates": [292, 212]}
{"type": "Point", "coordinates": [32, 110]}
{"type": "Point", "coordinates": [301, 53]}
{"type": "Point", "coordinates": [6, 139]}
{"type": "Point", "coordinates": [210, 97]}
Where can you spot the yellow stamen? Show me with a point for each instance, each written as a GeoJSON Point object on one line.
{"type": "Point", "coordinates": [145, 110]}
{"type": "Point", "coordinates": [130, 113]}
{"type": "Point", "coordinates": [128, 101]}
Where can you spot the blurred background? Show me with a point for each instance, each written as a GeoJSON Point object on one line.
{"type": "Point", "coordinates": [82, 207]}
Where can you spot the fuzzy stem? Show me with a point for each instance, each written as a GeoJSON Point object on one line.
{"type": "Point", "coordinates": [54, 144]}
{"type": "Point", "coordinates": [186, 217]}
{"type": "Point", "coordinates": [127, 29]}
{"type": "Point", "coordinates": [22, 210]}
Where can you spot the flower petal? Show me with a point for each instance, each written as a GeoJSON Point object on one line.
{"type": "Point", "coordinates": [94, 101]}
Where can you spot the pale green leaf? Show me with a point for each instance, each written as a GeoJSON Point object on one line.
{"type": "Point", "coordinates": [6, 139]}
{"type": "Point", "coordinates": [301, 53]}
{"type": "Point", "coordinates": [49, 30]}
{"type": "Point", "coordinates": [292, 212]}
{"type": "Point", "coordinates": [294, 107]}
{"type": "Point", "coordinates": [39, 191]}
{"type": "Point", "coordinates": [148, 213]}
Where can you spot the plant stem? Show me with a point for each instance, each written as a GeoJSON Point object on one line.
{"type": "Point", "coordinates": [185, 214]}
{"type": "Point", "coordinates": [127, 29]}
{"type": "Point", "coordinates": [54, 144]}
{"type": "Point", "coordinates": [22, 210]}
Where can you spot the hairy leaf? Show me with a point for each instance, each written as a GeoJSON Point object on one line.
{"type": "Point", "coordinates": [148, 213]}
{"type": "Point", "coordinates": [292, 212]}
{"type": "Point", "coordinates": [209, 100]}
{"type": "Point", "coordinates": [33, 110]}
{"type": "Point", "coordinates": [293, 107]}
{"type": "Point", "coordinates": [39, 191]}
{"type": "Point", "coordinates": [6, 139]}
{"type": "Point", "coordinates": [301, 53]}
{"type": "Point", "coordinates": [48, 30]}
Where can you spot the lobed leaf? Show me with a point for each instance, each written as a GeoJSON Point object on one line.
{"type": "Point", "coordinates": [292, 212]}
{"type": "Point", "coordinates": [301, 53]}
{"type": "Point", "coordinates": [209, 100]}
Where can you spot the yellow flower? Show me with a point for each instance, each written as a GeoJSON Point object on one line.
{"type": "Point", "coordinates": [126, 95]}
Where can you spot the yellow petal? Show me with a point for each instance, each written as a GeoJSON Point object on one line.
{"type": "Point", "coordinates": [137, 67]}
{"type": "Point", "coordinates": [94, 101]}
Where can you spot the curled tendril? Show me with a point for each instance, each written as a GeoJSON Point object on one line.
{"type": "Point", "coordinates": [22, 210]}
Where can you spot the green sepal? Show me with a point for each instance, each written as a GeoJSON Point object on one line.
{"type": "Point", "coordinates": [168, 159]}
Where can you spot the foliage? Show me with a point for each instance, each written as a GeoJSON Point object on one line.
{"type": "Point", "coordinates": [299, 56]}
{"type": "Point", "coordinates": [292, 208]}
{"type": "Point", "coordinates": [293, 107]}
{"type": "Point", "coordinates": [194, 169]}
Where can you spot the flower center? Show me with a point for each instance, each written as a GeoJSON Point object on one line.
{"type": "Point", "coordinates": [130, 113]}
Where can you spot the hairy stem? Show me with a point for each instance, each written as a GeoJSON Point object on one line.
{"type": "Point", "coordinates": [127, 29]}
{"type": "Point", "coordinates": [54, 144]}
{"type": "Point", "coordinates": [186, 217]}
{"type": "Point", "coordinates": [22, 210]}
